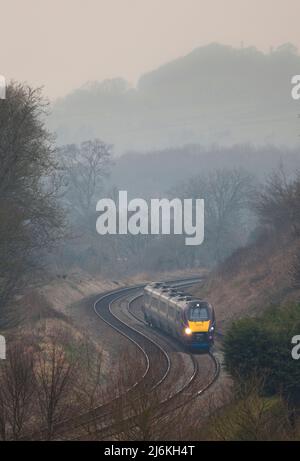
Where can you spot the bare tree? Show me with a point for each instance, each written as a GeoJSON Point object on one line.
{"type": "Point", "coordinates": [227, 197]}
{"type": "Point", "coordinates": [17, 390]}
{"type": "Point", "coordinates": [54, 374]}
{"type": "Point", "coordinates": [278, 202]}
{"type": "Point", "coordinates": [89, 387]}
{"type": "Point", "coordinates": [85, 167]}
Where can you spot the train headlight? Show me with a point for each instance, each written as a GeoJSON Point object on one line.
{"type": "Point", "coordinates": [188, 331]}
{"type": "Point", "coordinates": [211, 329]}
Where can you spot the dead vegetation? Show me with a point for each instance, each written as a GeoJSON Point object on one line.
{"type": "Point", "coordinates": [45, 381]}
{"type": "Point", "coordinates": [244, 415]}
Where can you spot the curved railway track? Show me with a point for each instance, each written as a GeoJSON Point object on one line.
{"type": "Point", "coordinates": [156, 351]}
{"type": "Point", "coordinates": [153, 347]}
{"type": "Point", "coordinates": [147, 346]}
{"type": "Point", "coordinates": [139, 318]}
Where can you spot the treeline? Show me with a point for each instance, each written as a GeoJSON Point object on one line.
{"type": "Point", "coordinates": [228, 220]}
{"type": "Point", "coordinates": [232, 215]}
{"type": "Point", "coordinates": [156, 172]}
{"type": "Point", "coordinates": [49, 195]}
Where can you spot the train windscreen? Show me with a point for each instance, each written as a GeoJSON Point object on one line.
{"type": "Point", "coordinates": [199, 313]}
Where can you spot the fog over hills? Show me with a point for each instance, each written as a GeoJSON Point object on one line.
{"type": "Point", "coordinates": [161, 171]}
{"type": "Point", "coordinates": [214, 95]}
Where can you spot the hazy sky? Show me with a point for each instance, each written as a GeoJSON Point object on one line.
{"type": "Point", "coordinates": [63, 43]}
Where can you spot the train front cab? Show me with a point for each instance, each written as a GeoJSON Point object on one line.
{"type": "Point", "coordinates": [199, 320]}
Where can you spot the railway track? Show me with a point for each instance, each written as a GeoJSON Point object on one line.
{"type": "Point", "coordinates": [194, 379]}
{"type": "Point", "coordinates": [156, 351]}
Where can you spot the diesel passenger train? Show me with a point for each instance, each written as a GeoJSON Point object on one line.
{"type": "Point", "coordinates": [178, 314]}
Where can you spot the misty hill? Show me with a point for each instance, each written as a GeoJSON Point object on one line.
{"type": "Point", "coordinates": [156, 173]}
{"type": "Point", "coordinates": [215, 94]}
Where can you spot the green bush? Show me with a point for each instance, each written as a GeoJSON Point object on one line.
{"type": "Point", "coordinates": [262, 347]}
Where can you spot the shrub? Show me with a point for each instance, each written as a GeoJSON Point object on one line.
{"type": "Point", "coordinates": [262, 347]}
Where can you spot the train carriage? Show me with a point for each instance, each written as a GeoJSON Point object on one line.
{"type": "Point", "coordinates": [189, 319]}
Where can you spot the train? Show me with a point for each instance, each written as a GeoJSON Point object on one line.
{"type": "Point", "coordinates": [188, 319]}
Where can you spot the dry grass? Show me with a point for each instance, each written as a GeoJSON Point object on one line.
{"type": "Point", "coordinates": [263, 278]}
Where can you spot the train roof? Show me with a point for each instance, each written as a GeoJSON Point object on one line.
{"type": "Point", "coordinates": [173, 295]}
